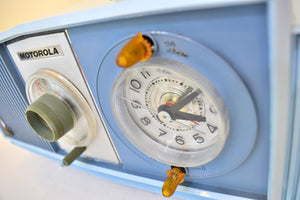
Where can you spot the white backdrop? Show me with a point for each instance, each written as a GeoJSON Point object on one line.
{"type": "Point", "coordinates": [26, 175]}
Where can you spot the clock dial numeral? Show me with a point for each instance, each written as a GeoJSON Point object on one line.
{"type": "Point", "coordinates": [145, 74]}
{"type": "Point", "coordinates": [135, 85]}
{"type": "Point", "coordinates": [180, 140]}
{"type": "Point", "coordinates": [198, 138]}
{"type": "Point", "coordinates": [212, 128]}
{"type": "Point", "coordinates": [136, 104]}
{"type": "Point", "coordinates": [162, 132]}
{"type": "Point", "coordinates": [212, 110]}
{"type": "Point", "coordinates": [176, 113]}
{"type": "Point", "coordinates": [145, 121]}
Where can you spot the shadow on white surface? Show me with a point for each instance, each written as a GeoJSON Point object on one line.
{"type": "Point", "coordinates": [26, 175]}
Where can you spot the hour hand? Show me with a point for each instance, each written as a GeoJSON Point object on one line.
{"type": "Point", "coordinates": [180, 115]}
{"type": "Point", "coordinates": [188, 116]}
{"type": "Point", "coordinates": [181, 103]}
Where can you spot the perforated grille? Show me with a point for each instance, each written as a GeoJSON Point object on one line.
{"type": "Point", "coordinates": [12, 110]}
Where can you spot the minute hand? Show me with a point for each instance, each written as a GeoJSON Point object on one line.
{"type": "Point", "coordinates": [177, 106]}
{"type": "Point", "coordinates": [188, 116]}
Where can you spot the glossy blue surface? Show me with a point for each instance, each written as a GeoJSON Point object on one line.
{"type": "Point", "coordinates": [238, 101]}
{"type": "Point", "coordinates": [237, 34]}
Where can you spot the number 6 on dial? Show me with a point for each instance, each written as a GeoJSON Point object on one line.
{"type": "Point", "coordinates": [166, 114]}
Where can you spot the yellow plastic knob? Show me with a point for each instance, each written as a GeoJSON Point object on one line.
{"type": "Point", "coordinates": [175, 177]}
{"type": "Point", "coordinates": [136, 50]}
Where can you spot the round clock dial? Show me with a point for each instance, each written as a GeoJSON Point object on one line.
{"type": "Point", "coordinates": [170, 112]}
{"type": "Point", "coordinates": [177, 108]}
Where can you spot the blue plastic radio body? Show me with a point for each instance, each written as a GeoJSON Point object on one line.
{"type": "Point", "coordinates": [243, 34]}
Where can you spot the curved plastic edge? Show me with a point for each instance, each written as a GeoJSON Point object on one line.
{"type": "Point", "coordinates": [292, 180]}
{"type": "Point", "coordinates": [127, 9]}
{"type": "Point", "coordinates": [279, 16]}
{"type": "Point", "coordinates": [138, 181]}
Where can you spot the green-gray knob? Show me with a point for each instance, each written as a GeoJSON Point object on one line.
{"type": "Point", "coordinates": [49, 117]}
{"type": "Point", "coordinates": [73, 155]}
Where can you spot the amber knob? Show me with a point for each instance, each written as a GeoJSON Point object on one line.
{"type": "Point", "coordinates": [175, 176]}
{"type": "Point", "coordinates": [136, 50]}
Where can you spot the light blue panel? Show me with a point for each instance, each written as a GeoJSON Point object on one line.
{"type": "Point", "coordinates": [238, 102]}
{"type": "Point", "coordinates": [238, 34]}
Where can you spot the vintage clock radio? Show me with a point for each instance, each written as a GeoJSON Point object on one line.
{"type": "Point", "coordinates": [195, 99]}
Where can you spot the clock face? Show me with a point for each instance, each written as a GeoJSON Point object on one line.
{"type": "Point", "coordinates": [186, 107]}
{"type": "Point", "coordinates": [171, 112]}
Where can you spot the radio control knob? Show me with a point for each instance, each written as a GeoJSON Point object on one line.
{"type": "Point", "coordinates": [73, 155]}
{"type": "Point", "coordinates": [136, 50]}
{"type": "Point", "coordinates": [49, 117]}
{"type": "Point", "coordinates": [59, 112]}
{"type": "Point", "coordinates": [175, 177]}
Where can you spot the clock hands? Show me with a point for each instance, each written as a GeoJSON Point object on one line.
{"type": "Point", "coordinates": [145, 107]}
{"type": "Point", "coordinates": [188, 116]}
{"type": "Point", "coordinates": [173, 110]}
{"type": "Point", "coordinates": [187, 91]}
{"type": "Point", "coordinates": [182, 102]}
